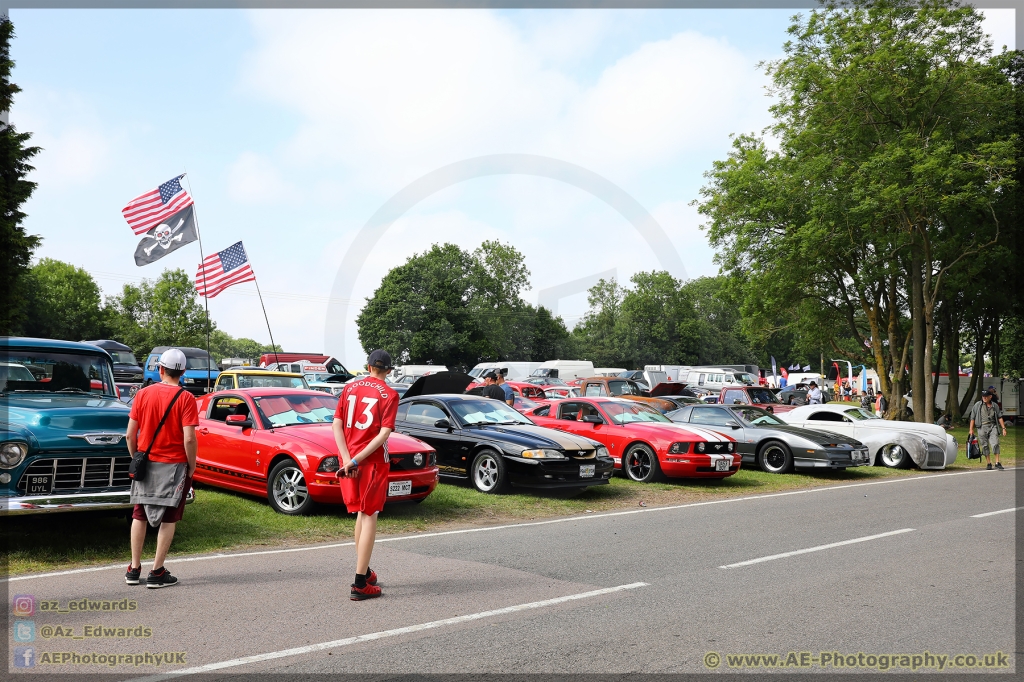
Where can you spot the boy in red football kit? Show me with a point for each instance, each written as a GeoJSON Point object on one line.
{"type": "Point", "coordinates": [362, 423]}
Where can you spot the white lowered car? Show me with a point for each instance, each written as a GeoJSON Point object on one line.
{"type": "Point", "coordinates": [895, 444]}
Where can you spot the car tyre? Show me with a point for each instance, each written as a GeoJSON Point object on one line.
{"type": "Point", "coordinates": [640, 464]}
{"type": "Point", "coordinates": [895, 457]}
{"type": "Point", "coordinates": [775, 458]}
{"type": "Point", "coordinates": [488, 473]}
{"type": "Point", "coordinates": [287, 491]}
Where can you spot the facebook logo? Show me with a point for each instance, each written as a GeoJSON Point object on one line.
{"type": "Point", "coordinates": [24, 657]}
{"type": "Point", "coordinates": [24, 631]}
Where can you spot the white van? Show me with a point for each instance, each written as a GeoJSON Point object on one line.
{"type": "Point", "coordinates": [566, 370]}
{"type": "Point", "coordinates": [512, 371]}
{"type": "Point", "coordinates": [672, 372]}
{"type": "Point", "coordinates": [714, 378]}
{"type": "Point", "coordinates": [407, 374]}
{"type": "Point", "coordinates": [608, 371]}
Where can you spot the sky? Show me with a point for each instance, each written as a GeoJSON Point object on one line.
{"type": "Point", "coordinates": [296, 127]}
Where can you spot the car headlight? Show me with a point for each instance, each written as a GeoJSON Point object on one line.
{"type": "Point", "coordinates": [542, 454]}
{"type": "Point", "coordinates": [328, 464]}
{"type": "Point", "coordinates": [700, 446]}
{"type": "Point", "coordinates": [12, 454]}
{"type": "Point", "coordinates": [678, 448]}
{"type": "Point", "coordinates": [602, 451]}
{"type": "Point", "coordinates": [729, 447]}
{"type": "Point", "coordinates": [417, 459]}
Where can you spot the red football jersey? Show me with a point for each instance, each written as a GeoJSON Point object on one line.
{"type": "Point", "coordinates": [366, 406]}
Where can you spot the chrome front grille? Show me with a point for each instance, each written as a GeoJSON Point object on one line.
{"type": "Point", "coordinates": [80, 473]}
{"type": "Point", "coordinates": [934, 457]}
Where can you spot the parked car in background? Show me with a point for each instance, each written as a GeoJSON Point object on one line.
{"type": "Point", "coordinates": [758, 396]}
{"type": "Point", "coordinates": [125, 392]}
{"type": "Point", "coordinates": [493, 445]}
{"type": "Point", "coordinates": [278, 443]}
{"type": "Point", "coordinates": [594, 387]}
{"type": "Point", "coordinates": [518, 401]}
{"type": "Point", "coordinates": [512, 371]}
{"type": "Point", "coordinates": [713, 379]}
{"type": "Point", "coordinates": [566, 370]}
{"type": "Point", "coordinates": [201, 371]}
{"type": "Point", "coordinates": [793, 394]}
{"type": "Point", "coordinates": [642, 442]}
{"type": "Point", "coordinates": [895, 444]}
{"type": "Point", "coordinates": [336, 372]}
{"type": "Point", "coordinates": [257, 377]}
{"type": "Point", "coordinates": [776, 447]}
{"type": "Point", "coordinates": [62, 446]}
{"type": "Point", "coordinates": [126, 366]}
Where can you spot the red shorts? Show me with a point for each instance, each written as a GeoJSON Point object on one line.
{"type": "Point", "coordinates": [368, 491]}
{"type": "Point", "coordinates": [172, 515]}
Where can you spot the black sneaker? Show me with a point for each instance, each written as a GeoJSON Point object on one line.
{"type": "Point", "coordinates": [989, 467]}
{"type": "Point", "coordinates": [999, 465]}
{"type": "Point", "coordinates": [131, 576]}
{"type": "Point", "coordinates": [161, 579]}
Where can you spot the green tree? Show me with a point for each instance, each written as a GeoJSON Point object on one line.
{"type": "Point", "coordinates": [223, 345]}
{"type": "Point", "coordinates": [16, 245]}
{"type": "Point", "coordinates": [598, 336]}
{"type": "Point", "coordinates": [65, 302]}
{"type": "Point", "coordinates": [165, 312]}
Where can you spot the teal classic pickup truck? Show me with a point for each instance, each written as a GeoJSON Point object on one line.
{"type": "Point", "coordinates": [62, 429]}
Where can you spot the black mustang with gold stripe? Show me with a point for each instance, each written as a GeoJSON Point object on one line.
{"type": "Point", "coordinates": [493, 445]}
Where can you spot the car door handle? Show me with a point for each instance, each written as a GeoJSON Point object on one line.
{"type": "Point", "coordinates": [204, 430]}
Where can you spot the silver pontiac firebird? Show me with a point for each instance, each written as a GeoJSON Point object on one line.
{"type": "Point", "coordinates": [772, 444]}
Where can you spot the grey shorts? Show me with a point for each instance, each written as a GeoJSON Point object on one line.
{"type": "Point", "coordinates": [988, 439]}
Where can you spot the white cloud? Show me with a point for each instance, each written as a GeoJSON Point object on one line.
{"type": "Point", "coordinates": [999, 24]}
{"type": "Point", "coordinates": [76, 147]}
{"type": "Point", "coordinates": [252, 178]}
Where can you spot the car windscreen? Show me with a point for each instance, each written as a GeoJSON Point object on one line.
{"type": "Point", "coordinates": [264, 381]}
{"type": "Point", "coordinates": [288, 410]}
{"type": "Point", "coordinates": [486, 411]}
{"type": "Point", "coordinates": [757, 416]}
{"type": "Point", "coordinates": [525, 403]}
{"type": "Point", "coordinates": [51, 371]}
{"type": "Point", "coordinates": [744, 378]}
{"type": "Point", "coordinates": [627, 414]}
{"type": "Point", "coordinates": [622, 388]}
{"type": "Point", "coordinates": [762, 395]}
{"type": "Point", "coordinates": [123, 357]}
{"type": "Point", "coordinates": [858, 414]}
{"type": "Point", "coordinates": [199, 363]}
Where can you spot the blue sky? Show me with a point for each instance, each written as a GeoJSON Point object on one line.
{"type": "Point", "coordinates": [296, 126]}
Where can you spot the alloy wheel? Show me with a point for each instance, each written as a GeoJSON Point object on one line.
{"type": "Point", "coordinates": [290, 491]}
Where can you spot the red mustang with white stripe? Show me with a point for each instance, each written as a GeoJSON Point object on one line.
{"type": "Point", "coordinates": [644, 443]}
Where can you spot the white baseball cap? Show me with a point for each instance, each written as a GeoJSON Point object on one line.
{"type": "Point", "coordinates": [172, 358]}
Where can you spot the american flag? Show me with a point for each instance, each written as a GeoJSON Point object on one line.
{"type": "Point", "coordinates": [223, 269]}
{"type": "Point", "coordinates": [150, 209]}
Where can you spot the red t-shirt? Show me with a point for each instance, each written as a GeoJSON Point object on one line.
{"type": "Point", "coordinates": [366, 406]}
{"type": "Point", "coordinates": [148, 408]}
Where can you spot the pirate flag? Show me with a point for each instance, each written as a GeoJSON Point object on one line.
{"type": "Point", "coordinates": [171, 234]}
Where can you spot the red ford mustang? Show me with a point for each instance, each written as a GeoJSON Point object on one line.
{"type": "Point", "coordinates": [278, 442]}
{"type": "Point", "coordinates": [644, 443]}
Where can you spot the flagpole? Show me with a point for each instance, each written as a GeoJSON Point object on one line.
{"type": "Point", "coordinates": [272, 344]}
{"type": "Point", "coordinates": [206, 300]}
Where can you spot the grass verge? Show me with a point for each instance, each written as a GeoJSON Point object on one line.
{"type": "Point", "coordinates": [220, 520]}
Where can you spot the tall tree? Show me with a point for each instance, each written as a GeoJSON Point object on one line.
{"type": "Point", "coordinates": [165, 312]}
{"type": "Point", "coordinates": [16, 245]}
{"type": "Point", "coordinates": [65, 302]}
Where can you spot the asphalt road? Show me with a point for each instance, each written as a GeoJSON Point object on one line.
{"type": "Point", "coordinates": [641, 592]}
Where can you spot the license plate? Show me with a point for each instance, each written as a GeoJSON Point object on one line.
{"type": "Point", "coordinates": [399, 488]}
{"type": "Point", "coordinates": [722, 465]}
{"type": "Point", "coordinates": [39, 485]}
{"type": "Point", "coordinates": [587, 470]}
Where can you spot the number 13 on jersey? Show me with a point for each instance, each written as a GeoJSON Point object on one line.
{"type": "Point", "coordinates": [366, 418]}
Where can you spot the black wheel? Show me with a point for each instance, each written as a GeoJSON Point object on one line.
{"type": "Point", "coordinates": [286, 489]}
{"type": "Point", "coordinates": [895, 457]}
{"type": "Point", "coordinates": [147, 382]}
{"type": "Point", "coordinates": [775, 458]}
{"type": "Point", "coordinates": [488, 472]}
{"type": "Point", "coordinates": [640, 464]}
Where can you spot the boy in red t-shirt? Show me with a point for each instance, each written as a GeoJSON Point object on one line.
{"type": "Point", "coordinates": [362, 423]}
{"type": "Point", "coordinates": [175, 444]}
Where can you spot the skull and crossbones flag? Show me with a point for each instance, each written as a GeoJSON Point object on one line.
{"type": "Point", "coordinates": [169, 235]}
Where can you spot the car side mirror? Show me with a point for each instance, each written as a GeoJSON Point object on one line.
{"type": "Point", "coordinates": [732, 424]}
{"type": "Point", "coordinates": [238, 420]}
{"type": "Point", "coordinates": [593, 419]}
{"type": "Point", "coordinates": [443, 424]}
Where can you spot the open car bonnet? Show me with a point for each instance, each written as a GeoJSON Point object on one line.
{"type": "Point", "coordinates": [442, 382]}
{"type": "Point", "coordinates": [669, 388]}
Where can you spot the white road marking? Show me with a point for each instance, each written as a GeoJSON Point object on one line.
{"type": "Point", "coordinates": [455, 620]}
{"type": "Point", "coordinates": [483, 529]}
{"type": "Point", "coordinates": [1001, 511]}
{"type": "Point", "coordinates": [818, 548]}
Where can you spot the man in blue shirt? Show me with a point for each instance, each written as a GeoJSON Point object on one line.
{"type": "Point", "coordinates": [510, 396]}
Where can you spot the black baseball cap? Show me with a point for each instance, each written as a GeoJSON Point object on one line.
{"type": "Point", "coordinates": [491, 375]}
{"type": "Point", "coordinates": [380, 359]}
{"type": "Point", "coordinates": [985, 393]}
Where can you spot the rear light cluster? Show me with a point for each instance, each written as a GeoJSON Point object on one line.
{"type": "Point", "coordinates": [678, 448]}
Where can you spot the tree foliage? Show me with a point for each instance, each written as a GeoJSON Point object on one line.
{"type": "Point", "coordinates": [164, 312]}
{"type": "Point", "coordinates": [16, 245]}
{"type": "Point", "coordinates": [64, 302]}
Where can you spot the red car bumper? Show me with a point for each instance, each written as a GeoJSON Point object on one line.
{"type": "Point", "coordinates": [696, 466]}
{"type": "Point", "coordinates": [324, 486]}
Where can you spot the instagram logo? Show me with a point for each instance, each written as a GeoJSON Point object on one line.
{"type": "Point", "coordinates": [24, 605]}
